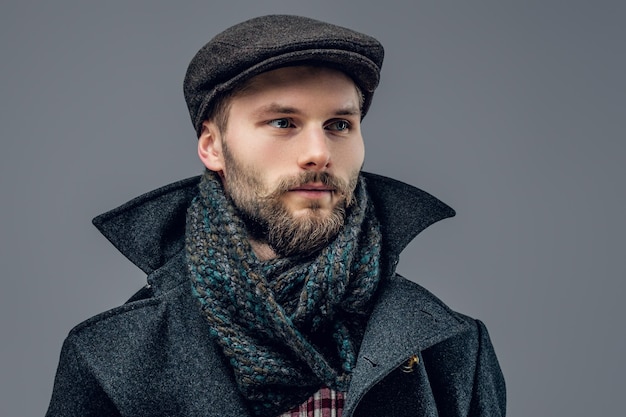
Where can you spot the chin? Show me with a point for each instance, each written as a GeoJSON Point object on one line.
{"type": "Point", "coordinates": [313, 210]}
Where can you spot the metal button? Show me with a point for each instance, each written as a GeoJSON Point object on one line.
{"type": "Point", "coordinates": [409, 366]}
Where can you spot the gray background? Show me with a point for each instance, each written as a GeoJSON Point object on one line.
{"type": "Point", "coordinates": [512, 114]}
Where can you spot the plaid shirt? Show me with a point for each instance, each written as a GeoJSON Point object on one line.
{"type": "Point", "coordinates": [324, 403]}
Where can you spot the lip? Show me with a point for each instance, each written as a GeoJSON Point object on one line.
{"type": "Point", "coordinates": [312, 187]}
{"type": "Point", "coordinates": [312, 191]}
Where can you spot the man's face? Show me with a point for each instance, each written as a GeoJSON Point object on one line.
{"type": "Point", "coordinates": [290, 155]}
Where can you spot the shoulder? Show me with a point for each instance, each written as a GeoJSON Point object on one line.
{"type": "Point", "coordinates": [402, 296]}
{"type": "Point", "coordinates": [417, 315]}
{"type": "Point", "coordinates": [163, 334]}
{"type": "Point", "coordinates": [137, 356]}
{"type": "Point", "coordinates": [167, 301]}
{"type": "Point", "coordinates": [134, 328]}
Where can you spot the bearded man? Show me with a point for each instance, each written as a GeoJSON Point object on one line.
{"type": "Point", "coordinates": [272, 288]}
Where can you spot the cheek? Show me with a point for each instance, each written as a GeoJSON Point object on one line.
{"type": "Point", "coordinates": [352, 157]}
{"type": "Point", "coordinates": [247, 151]}
{"type": "Point", "coordinates": [272, 160]}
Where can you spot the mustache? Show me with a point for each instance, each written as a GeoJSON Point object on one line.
{"type": "Point", "coordinates": [287, 183]}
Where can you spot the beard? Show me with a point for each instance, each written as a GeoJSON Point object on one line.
{"type": "Point", "coordinates": [269, 220]}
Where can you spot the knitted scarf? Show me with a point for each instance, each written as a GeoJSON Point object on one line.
{"type": "Point", "coordinates": [290, 325]}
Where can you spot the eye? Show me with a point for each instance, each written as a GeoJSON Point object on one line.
{"type": "Point", "coordinates": [339, 125]}
{"type": "Point", "coordinates": [283, 123]}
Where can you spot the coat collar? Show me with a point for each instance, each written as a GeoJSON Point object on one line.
{"type": "Point", "coordinates": [149, 230]}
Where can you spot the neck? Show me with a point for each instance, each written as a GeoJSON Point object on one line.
{"type": "Point", "coordinates": [262, 250]}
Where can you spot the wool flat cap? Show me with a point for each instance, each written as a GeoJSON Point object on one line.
{"type": "Point", "coordinates": [269, 42]}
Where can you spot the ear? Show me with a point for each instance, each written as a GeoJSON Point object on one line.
{"type": "Point", "coordinates": [210, 147]}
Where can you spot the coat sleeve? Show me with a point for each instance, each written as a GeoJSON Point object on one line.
{"type": "Point", "coordinates": [464, 375]}
{"type": "Point", "coordinates": [76, 391]}
{"type": "Point", "coordinates": [489, 391]}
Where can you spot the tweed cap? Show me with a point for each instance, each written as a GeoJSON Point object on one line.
{"type": "Point", "coordinates": [269, 42]}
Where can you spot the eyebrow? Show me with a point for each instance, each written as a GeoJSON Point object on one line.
{"type": "Point", "coordinates": [277, 108]}
{"type": "Point", "coordinates": [349, 111]}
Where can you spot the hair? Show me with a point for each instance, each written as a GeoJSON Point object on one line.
{"type": "Point", "coordinates": [220, 109]}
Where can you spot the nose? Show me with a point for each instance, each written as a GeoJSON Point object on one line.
{"type": "Point", "coordinates": [314, 150]}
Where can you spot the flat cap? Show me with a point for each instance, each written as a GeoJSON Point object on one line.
{"type": "Point", "coordinates": [269, 42]}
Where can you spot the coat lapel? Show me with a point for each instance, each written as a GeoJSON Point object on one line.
{"type": "Point", "coordinates": [406, 320]}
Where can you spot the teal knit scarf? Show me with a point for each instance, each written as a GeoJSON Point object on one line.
{"type": "Point", "coordinates": [290, 325]}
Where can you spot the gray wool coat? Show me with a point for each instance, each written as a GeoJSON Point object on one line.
{"type": "Point", "coordinates": [153, 355]}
